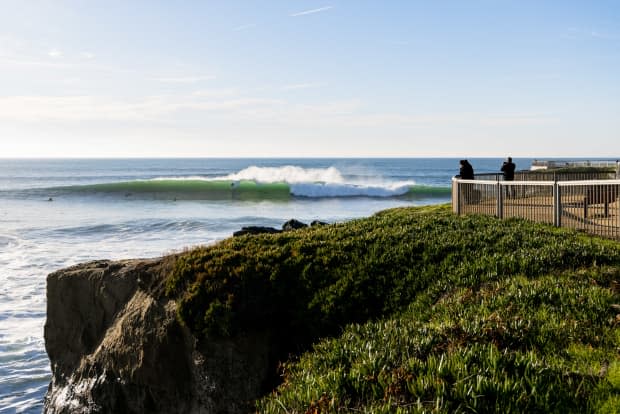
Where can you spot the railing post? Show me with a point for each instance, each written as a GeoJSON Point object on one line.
{"type": "Point", "coordinates": [557, 205]}
{"type": "Point", "coordinates": [457, 184]}
{"type": "Point", "coordinates": [500, 201]}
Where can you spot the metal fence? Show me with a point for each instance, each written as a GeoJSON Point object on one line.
{"type": "Point", "coordinates": [592, 206]}
{"type": "Point", "coordinates": [575, 164]}
{"type": "Point", "coordinates": [542, 175]}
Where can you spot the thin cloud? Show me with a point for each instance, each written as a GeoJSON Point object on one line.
{"type": "Point", "coordinates": [10, 45]}
{"type": "Point", "coordinates": [302, 86]}
{"type": "Point", "coordinates": [248, 111]}
{"type": "Point", "coordinates": [87, 55]}
{"type": "Point", "coordinates": [518, 119]}
{"type": "Point", "coordinates": [19, 61]}
{"type": "Point", "coordinates": [217, 93]}
{"type": "Point", "coordinates": [574, 33]}
{"type": "Point", "coordinates": [149, 108]}
{"type": "Point", "coordinates": [184, 79]}
{"type": "Point", "coordinates": [312, 11]}
{"type": "Point", "coordinates": [602, 35]}
{"type": "Point", "coordinates": [54, 53]}
{"type": "Point", "coordinates": [244, 27]}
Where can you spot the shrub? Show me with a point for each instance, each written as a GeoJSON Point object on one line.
{"type": "Point", "coordinates": [440, 313]}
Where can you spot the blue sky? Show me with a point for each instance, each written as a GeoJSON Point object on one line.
{"type": "Point", "coordinates": [309, 78]}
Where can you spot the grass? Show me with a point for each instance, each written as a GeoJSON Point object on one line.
{"type": "Point", "coordinates": [417, 310]}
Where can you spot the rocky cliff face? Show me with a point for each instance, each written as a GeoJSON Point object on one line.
{"type": "Point", "coordinates": [115, 346]}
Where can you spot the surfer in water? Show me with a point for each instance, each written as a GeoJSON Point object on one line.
{"type": "Point", "coordinates": [233, 186]}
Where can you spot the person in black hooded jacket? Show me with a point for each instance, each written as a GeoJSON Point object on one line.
{"type": "Point", "coordinates": [508, 168]}
{"type": "Point", "coordinates": [466, 172]}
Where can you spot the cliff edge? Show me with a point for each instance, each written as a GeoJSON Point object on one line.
{"type": "Point", "coordinates": [115, 345]}
{"type": "Point", "coordinates": [410, 309]}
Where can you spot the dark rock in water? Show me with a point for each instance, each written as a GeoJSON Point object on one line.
{"type": "Point", "coordinates": [255, 230]}
{"type": "Point", "coordinates": [115, 346]}
{"type": "Point", "coordinates": [318, 223]}
{"type": "Point", "coordinates": [293, 225]}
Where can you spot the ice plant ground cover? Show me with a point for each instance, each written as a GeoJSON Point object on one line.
{"type": "Point", "coordinates": [417, 310]}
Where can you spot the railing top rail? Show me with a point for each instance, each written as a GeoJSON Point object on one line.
{"type": "Point", "coordinates": [504, 183]}
{"type": "Point", "coordinates": [581, 163]}
{"type": "Point", "coordinates": [555, 175]}
{"type": "Point", "coordinates": [548, 182]}
{"type": "Point", "coordinates": [588, 182]}
{"type": "Point", "coordinates": [461, 180]}
{"type": "Point", "coordinates": [524, 183]}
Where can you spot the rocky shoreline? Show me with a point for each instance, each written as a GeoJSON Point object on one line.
{"type": "Point", "coordinates": [116, 345]}
{"type": "Point", "coordinates": [288, 226]}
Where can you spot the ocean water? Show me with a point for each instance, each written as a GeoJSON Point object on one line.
{"type": "Point", "coordinates": [56, 213]}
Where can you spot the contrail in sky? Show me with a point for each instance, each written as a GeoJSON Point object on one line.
{"type": "Point", "coordinates": [303, 13]}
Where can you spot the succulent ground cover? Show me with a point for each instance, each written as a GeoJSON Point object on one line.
{"type": "Point", "coordinates": [418, 310]}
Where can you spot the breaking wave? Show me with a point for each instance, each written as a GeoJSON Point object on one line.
{"type": "Point", "coordinates": [258, 183]}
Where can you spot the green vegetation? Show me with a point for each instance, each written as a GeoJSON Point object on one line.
{"type": "Point", "coordinates": [419, 311]}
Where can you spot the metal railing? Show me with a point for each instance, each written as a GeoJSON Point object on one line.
{"type": "Point", "coordinates": [573, 164]}
{"type": "Point", "coordinates": [542, 175]}
{"type": "Point", "coordinates": [592, 206]}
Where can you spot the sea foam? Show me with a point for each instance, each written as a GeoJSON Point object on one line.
{"type": "Point", "coordinates": [320, 182]}
{"type": "Point", "coordinates": [287, 174]}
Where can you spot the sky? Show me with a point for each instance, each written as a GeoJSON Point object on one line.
{"type": "Point", "coordinates": [305, 78]}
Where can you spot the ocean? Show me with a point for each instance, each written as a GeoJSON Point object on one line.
{"type": "Point", "coordinates": [58, 212]}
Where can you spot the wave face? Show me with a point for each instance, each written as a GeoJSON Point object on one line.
{"type": "Point", "coordinates": [256, 183]}
{"type": "Point", "coordinates": [190, 188]}
{"type": "Point", "coordinates": [317, 190]}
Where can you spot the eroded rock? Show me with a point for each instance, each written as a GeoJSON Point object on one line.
{"type": "Point", "coordinates": [116, 346]}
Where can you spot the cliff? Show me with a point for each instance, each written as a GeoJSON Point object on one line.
{"type": "Point", "coordinates": [412, 310]}
{"type": "Point", "coordinates": [115, 345]}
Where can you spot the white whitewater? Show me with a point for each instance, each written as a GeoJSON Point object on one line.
{"type": "Point", "coordinates": [321, 182]}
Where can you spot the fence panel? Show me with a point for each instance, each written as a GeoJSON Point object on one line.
{"type": "Point", "coordinates": [591, 206]}
{"type": "Point", "coordinates": [528, 199]}
{"type": "Point", "coordinates": [477, 197]}
{"type": "Point", "coordinates": [564, 175]}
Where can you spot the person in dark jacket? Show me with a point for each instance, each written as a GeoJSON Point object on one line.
{"type": "Point", "coordinates": [469, 194]}
{"type": "Point", "coordinates": [466, 171]}
{"type": "Point", "coordinates": [508, 168]}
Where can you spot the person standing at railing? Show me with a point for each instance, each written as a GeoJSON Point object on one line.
{"type": "Point", "coordinates": [466, 171]}
{"type": "Point", "coordinates": [468, 193]}
{"type": "Point", "coordinates": [508, 169]}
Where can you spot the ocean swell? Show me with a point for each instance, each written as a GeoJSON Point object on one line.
{"type": "Point", "coordinates": [318, 190]}
{"type": "Point", "coordinates": [254, 184]}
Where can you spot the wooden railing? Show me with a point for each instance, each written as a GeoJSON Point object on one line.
{"type": "Point", "coordinates": [588, 205]}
